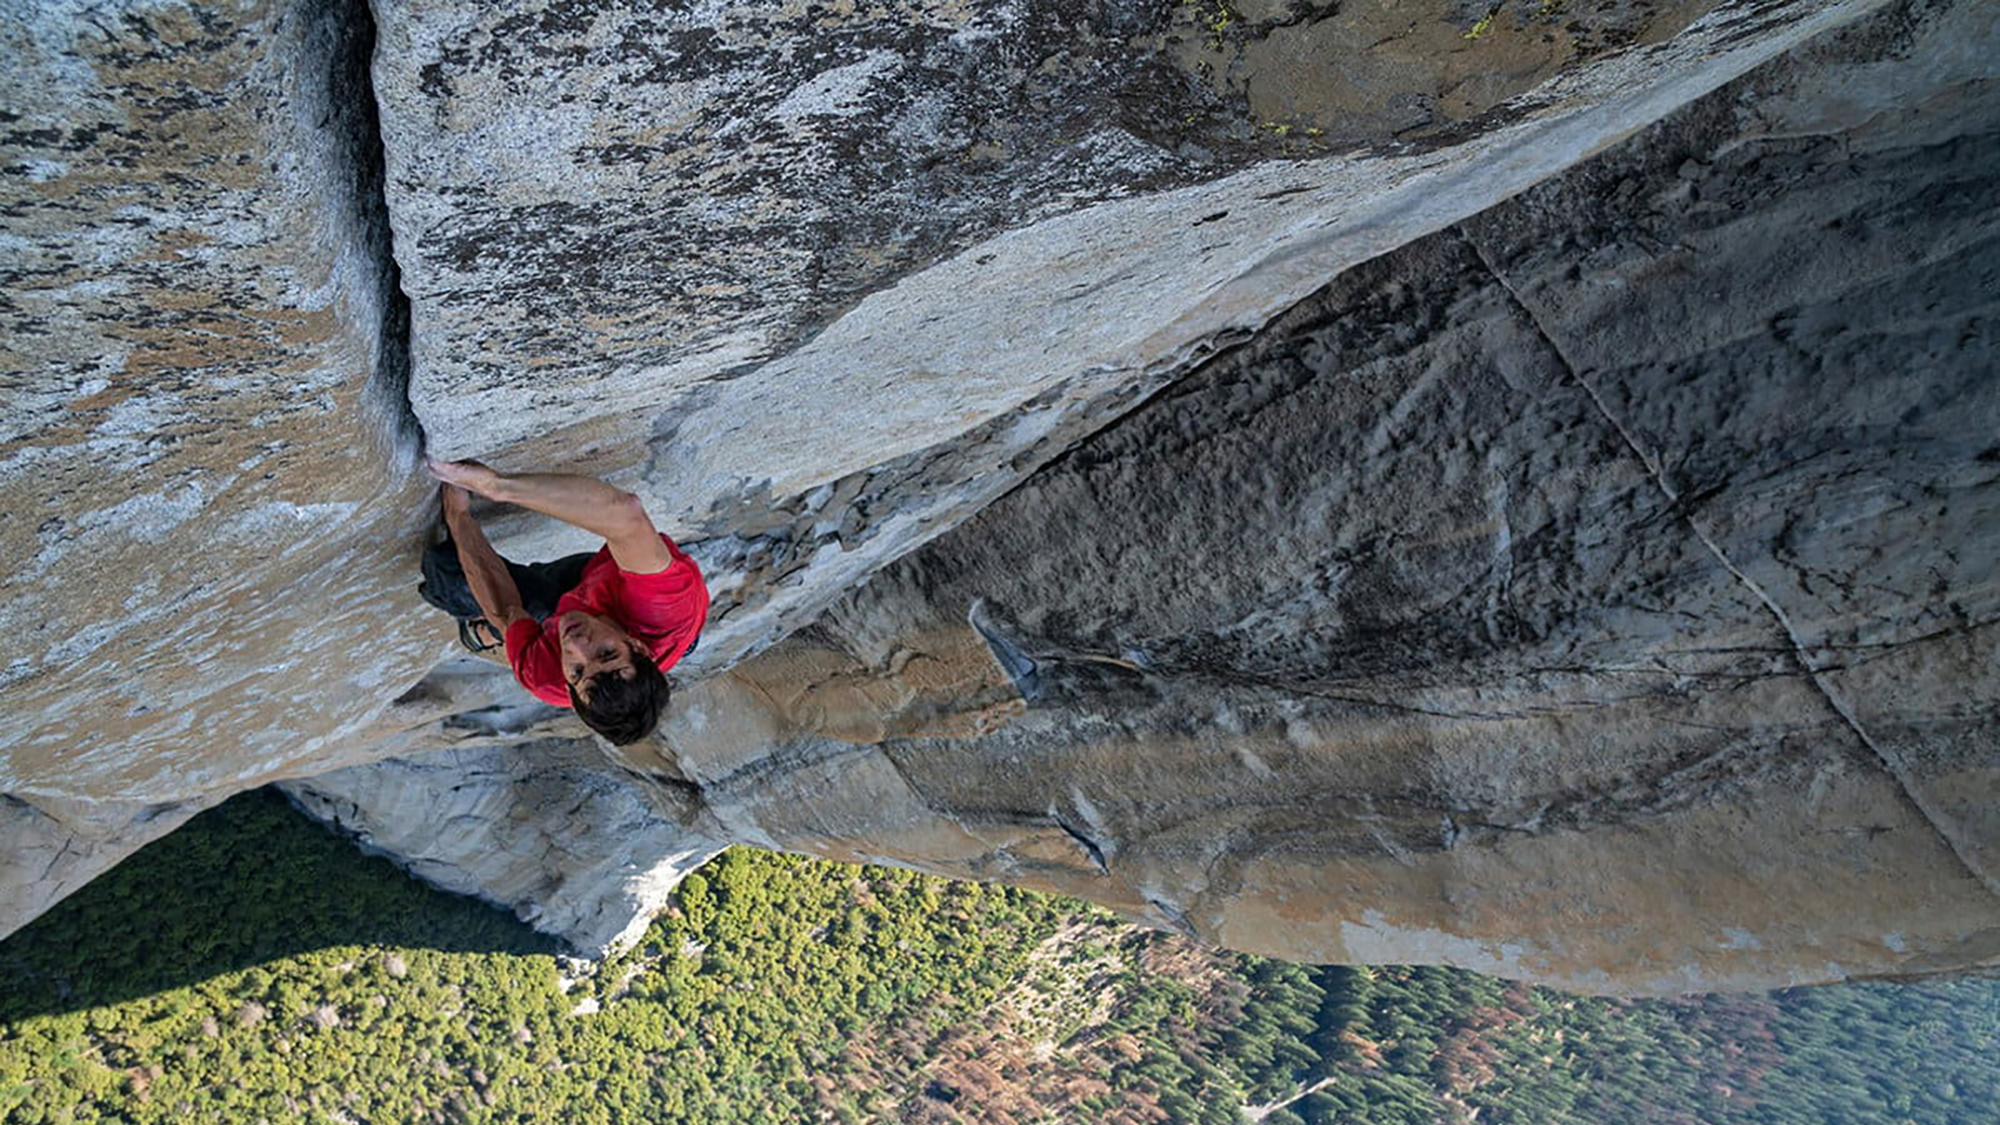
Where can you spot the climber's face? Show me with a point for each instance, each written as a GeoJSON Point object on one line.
{"type": "Point", "coordinates": [591, 646]}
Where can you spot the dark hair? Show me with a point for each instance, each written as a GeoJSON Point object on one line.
{"type": "Point", "coordinates": [624, 711]}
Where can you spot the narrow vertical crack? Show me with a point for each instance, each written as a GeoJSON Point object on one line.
{"type": "Point", "coordinates": [1891, 762]}
{"type": "Point", "coordinates": [336, 88]}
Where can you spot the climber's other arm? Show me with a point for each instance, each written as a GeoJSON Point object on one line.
{"type": "Point", "coordinates": [580, 501]}
{"type": "Point", "coordinates": [485, 572]}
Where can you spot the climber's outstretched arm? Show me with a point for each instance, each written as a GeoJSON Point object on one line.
{"type": "Point", "coordinates": [584, 502]}
{"type": "Point", "coordinates": [485, 572]}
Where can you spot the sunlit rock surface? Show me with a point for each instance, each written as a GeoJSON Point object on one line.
{"type": "Point", "coordinates": [1594, 588]}
{"type": "Point", "coordinates": [210, 506]}
{"type": "Point", "coordinates": [1600, 591]}
{"type": "Point", "coordinates": [820, 281]}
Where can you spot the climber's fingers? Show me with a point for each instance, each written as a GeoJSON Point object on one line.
{"type": "Point", "coordinates": [470, 475]}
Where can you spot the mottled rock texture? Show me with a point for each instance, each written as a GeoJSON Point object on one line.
{"type": "Point", "coordinates": [204, 452]}
{"type": "Point", "coordinates": [1599, 591]}
{"type": "Point", "coordinates": [820, 281]}
{"type": "Point", "coordinates": [592, 864]}
{"type": "Point", "coordinates": [1594, 587]}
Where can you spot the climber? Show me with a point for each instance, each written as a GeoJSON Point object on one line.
{"type": "Point", "coordinates": [591, 631]}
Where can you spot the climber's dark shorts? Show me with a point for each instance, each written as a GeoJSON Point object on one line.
{"type": "Point", "coordinates": [444, 586]}
{"type": "Point", "coordinates": [540, 584]}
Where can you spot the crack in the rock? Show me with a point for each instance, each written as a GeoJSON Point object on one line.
{"type": "Point", "coordinates": [48, 872]}
{"type": "Point", "coordinates": [1176, 918]}
{"type": "Point", "coordinates": [784, 760]}
{"type": "Point", "coordinates": [1333, 695]}
{"type": "Point", "coordinates": [1892, 763]}
{"type": "Point", "coordinates": [336, 86]}
{"type": "Point", "coordinates": [1090, 847]}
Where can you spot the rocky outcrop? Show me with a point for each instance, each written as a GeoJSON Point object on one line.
{"type": "Point", "coordinates": [1599, 591]}
{"type": "Point", "coordinates": [821, 283]}
{"type": "Point", "coordinates": [592, 864]}
{"type": "Point", "coordinates": [1591, 588]}
{"type": "Point", "coordinates": [207, 455]}
{"type": "Point", "coordinates": [206, 304]}
{"type": "Point", "coordinates": [51, 847]}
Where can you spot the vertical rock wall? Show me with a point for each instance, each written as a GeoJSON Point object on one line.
{"type": "Point", "coordinates": [206, 451]}
{"type": "Point", "coordinates": [1600, 591]}
{"type": "Point", "coordinates": [207, 459]}
{"type": "Point", "coordinates": [1505, 612]}
{"type": "Point", "coordinates": [821, 282]}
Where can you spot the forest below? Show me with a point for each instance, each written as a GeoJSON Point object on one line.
{"type": "Point", "coordinates": [255, 967]}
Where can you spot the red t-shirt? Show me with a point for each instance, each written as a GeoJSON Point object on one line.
{"type": "Point", "coordinates": [664, 611]}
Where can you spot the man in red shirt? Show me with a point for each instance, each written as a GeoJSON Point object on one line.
{"type": "Point", "coordinates": [635, 608]}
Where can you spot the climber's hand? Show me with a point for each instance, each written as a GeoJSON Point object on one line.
{"type": "Point", "coordinates": [469, 475]}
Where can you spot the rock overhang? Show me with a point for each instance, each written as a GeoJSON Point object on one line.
{"type": "Point", "coordinates": [992, 320]}
{"type": "Point", "coordinates": [1025, 353]}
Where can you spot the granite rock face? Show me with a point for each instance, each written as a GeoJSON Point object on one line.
{"type": "Point", "coordinates": [51, 847]}
{"type": "Point", "coordinates": [821, 281]}
{"type": "Point", "coordinates": [1600, 591]}
{"type": "Point", "coordinates": [1591, 583]}
{"type": "Point", "coordinates": [206, 454]}
{"type": "Point", "coordinates": [593, 874]}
